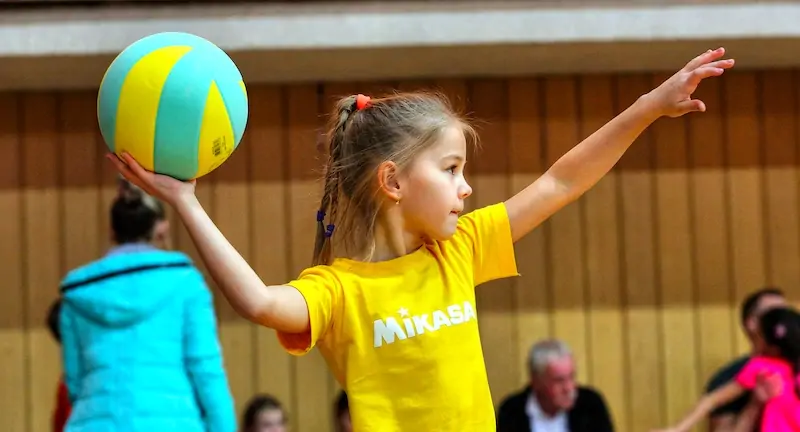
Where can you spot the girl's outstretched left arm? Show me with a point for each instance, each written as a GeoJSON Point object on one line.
{"type": "Point", "coordinates": [585, 164]}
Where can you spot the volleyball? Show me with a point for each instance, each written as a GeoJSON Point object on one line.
{"type": "Point", "coordinates": [176, 102]}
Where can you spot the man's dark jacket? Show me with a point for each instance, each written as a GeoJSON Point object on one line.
{"type": "Point", "coordinates": [589, 414]}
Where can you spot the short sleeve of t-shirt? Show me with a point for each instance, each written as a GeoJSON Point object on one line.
{"type": "Point", "coordinates": [757, 365]}
{"type": "Point", "coordinates": [486, 233]}
{"type": "Point", "coordinates": [320, 289]}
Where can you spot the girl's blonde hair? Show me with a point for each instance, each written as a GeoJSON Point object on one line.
{"type": "Point", "coordinates": [362, 134]}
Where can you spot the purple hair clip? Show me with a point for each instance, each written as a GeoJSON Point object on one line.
{"type": "Point", "coordinates": [329, 231]}
{"type": "Point", "coordinates": [320, 215]}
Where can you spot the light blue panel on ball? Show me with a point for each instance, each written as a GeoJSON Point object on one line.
{"type": "Point", "coordinates": [108, 97]}
{"type": "Point", "coordinates": [228, 79]}
{"type": "Point", "coordinates": [180, 115]}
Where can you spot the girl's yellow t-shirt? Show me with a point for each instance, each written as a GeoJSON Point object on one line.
{"type": "Point", "coordinates": [401, 336]}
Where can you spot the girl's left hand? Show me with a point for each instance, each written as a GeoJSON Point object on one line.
{"type": "Point", "coordinates": [673, 98]}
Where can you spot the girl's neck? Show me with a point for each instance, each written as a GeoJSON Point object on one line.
{"type": "Point", "coordinates": [391, 238]}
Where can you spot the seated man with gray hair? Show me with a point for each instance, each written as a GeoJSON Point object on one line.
{"type": "Point", "coordinates": [552, 401]}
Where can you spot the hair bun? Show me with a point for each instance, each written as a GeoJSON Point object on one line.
{"type": "Point", "coordinates": [129, 192]}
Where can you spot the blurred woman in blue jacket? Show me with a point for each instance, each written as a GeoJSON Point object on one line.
{"type": "Point", "coordinates": [139, 335]}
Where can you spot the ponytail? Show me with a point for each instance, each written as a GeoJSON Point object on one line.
{"type": "Point", "coordinates": [332, 188]}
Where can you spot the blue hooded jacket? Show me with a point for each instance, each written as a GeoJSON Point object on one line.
{"type": "Point", "coordinates": [140, 346]}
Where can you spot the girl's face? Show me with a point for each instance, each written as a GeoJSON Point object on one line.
{"type": "Point", "coordinates": [433, 189]}
{"type": "Point", "coordinates": [270, 420]}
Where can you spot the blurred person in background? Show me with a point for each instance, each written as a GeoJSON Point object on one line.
{"type": "Point", "coordinates": [341, 414]}
{"type": "Point", "coordinates": [139, 334]}
{"type": "Point", "coordinates": [264, 413]}
{"type": "Point", "coordinates": [161, 239]}
{"type": "Point", "coordinates": [743, 413]}
{"type": "Point", "coordinates": [553, 401]}
{"type": "Point", "coordinates": [62, 407]}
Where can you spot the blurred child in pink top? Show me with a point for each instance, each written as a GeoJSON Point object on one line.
{"type": "Point", "coordinates": [780, 329]}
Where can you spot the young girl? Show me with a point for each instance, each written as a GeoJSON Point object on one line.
{"type": "Point", "coordinates": [394, 313]}
{"type": "Point", "coordinates": [780, 329]}
{"type": "Point", "coordinates": [264, 413]}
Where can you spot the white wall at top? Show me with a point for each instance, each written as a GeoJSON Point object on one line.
{"type": "Point", "coordinates": [71, 47]}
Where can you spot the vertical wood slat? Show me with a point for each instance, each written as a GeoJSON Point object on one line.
{"type": "Point", "coordinates": [42, 215]}
{"type": "Point", "coordinates": [565, 233]}
{"type": "Point", "coordinates": [778, 113]}
{"type": "Point", "coordinates": [713, 289]}
{"type": "Point", "coordinates": [643, 352]}
{"type": "Point", "coordinates": [745, 196]}
{"type": "Point", "coordinates": [14, 370]}
{"type": "Point", "coordinates": [268, 238]}
{"type": "Point", "coordinates": [601, 226]}
{"type": "Point", "coordinates": [80, 175]}
{"type": "Point", "coordinates": [702, 210]}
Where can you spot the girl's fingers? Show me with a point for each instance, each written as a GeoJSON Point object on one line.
{"type": "Point", "coordinates": [702, 73]}
{"type": "Point", "coordinates": [704, 58]}
{"type": "Point", "coordinates": [722, 64]}
{"type": "Point", "coordinates": [129, 175]}
{"type": "Point", "coordinates": [691, 105]}
{"type": "Point", "coordinates": [134, 166]}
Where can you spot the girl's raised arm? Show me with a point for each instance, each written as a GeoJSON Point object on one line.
{"type": "Point", "coordinates": [708, 403]}
{"type": "Point", "coordinates": [585, 164]}
{"type": "Point", "coordinates": [280, 307]}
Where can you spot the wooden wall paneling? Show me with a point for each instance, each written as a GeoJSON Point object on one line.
{"type": "Point", "coordinates": [601, 233]}
{"type": "Point", "coordinates": [531, 289]}
{"type": "Point", "coordinates": [744, 187]}
{"type": "Point", "coordinates": [715, 326]}
{"type": "Point", "coordinates": [374, 89]}
{"type": "Point", "coordinates": [638, 245]}
{"type": "Point", "coordinates": [415, 85]}
{"type": "Point", "coordinates": [675, 264]}
{"type": "Point", "coordinates": [14, 367]}
{"type": "Point", "coordinates": [231, 212]}
{"type": "Point", "coordinates": [312, 406]}
{"type": "Point", "coordinates": [456, 92]}
{"type": "Point", "coordinates": [495, 300]}
{"type": "Point", "coordinates": [43, 260]}
{"type": "Point", "coordinates": [80, 176]}
{"type": "Point", "coordinates": [779, 153]}
{"type": "Point", "coordinates": [567, 283]}
{"type": "Point", "coordinates": [268, 234]}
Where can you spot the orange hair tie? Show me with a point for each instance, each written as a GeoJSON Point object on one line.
{"type": "Point", "coordinates": [362, 102]}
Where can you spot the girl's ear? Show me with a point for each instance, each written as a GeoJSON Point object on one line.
{"type": "Point", "coordinates": [387, 180]}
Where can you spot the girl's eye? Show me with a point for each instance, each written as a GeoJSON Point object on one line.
{"type": "Point", "coordinates": [452, 169]}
